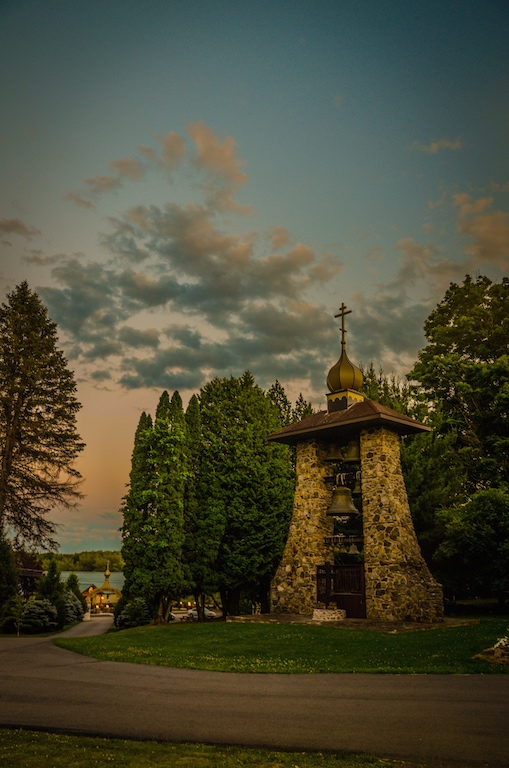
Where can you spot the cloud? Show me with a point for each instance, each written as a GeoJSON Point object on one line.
{"type": "Point", "coordinates": [18, 227]}
{"type": "Point", "coordinates": [174, 150]}
{"type": "Point", "coordinates": [79, 200]}
{"type": "Point", "coordinates": [222, 165]}
{"type": "Point", "coordinates": [101, 184]}
{"type": "Point", "coordinates": [436, 146]}
{"type": "Point", "coordinates": [128, 167]}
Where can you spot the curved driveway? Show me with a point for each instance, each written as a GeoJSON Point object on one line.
{"type": "Point", "coordinates": [449, 717]}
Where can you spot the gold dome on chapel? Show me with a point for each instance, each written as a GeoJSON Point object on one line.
{"type": "Point", "coordinates": [344, 375]}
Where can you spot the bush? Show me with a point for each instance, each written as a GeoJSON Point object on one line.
{"type": "Point", "coordinates": [73, 609]}
{"type": "Point", "coordinates": [11, 616]}
{"type": "Point", "coordinates": [40, 616]}
{"type": "Point", "coordinates": [135, 613]}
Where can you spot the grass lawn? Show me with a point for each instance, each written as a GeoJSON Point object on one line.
{"type": "Point", "coordinates": [283, 648]}
{"type": "Point", "coordinates": [31, 749]}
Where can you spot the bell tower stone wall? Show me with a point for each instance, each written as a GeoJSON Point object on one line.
{"type": "Point", "coordinates": [399, 585]}
{"type": "Point", "coordinates": [293, 588]}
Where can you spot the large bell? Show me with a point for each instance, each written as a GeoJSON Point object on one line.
{"type": "Point", "coordinates": [341, 503]}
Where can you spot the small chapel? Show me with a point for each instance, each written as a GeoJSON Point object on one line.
{"type": "Point", "coordinates": [351, 543]}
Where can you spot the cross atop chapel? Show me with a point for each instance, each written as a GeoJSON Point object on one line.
{"type": "Point", "coordinates": [342, 312]}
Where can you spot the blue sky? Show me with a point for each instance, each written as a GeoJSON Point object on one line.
{"type": "Point", "coordinates": [193, 188]}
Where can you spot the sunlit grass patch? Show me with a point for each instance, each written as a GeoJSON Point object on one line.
{"type": "Point", "coordinates": [279, 648]}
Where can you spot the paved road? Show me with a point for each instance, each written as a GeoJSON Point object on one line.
{"type": "Point", "coordinates": [464, 718]}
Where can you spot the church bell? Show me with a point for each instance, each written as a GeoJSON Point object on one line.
{"type": "Point", "coordinates": [341, 503]}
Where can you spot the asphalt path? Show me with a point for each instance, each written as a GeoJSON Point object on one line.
{"type": "Point", "coordinates": [426, 717]}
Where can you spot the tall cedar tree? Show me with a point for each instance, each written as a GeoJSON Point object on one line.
{"type": "Point", "coordinates": [203, 527]}
{"type": "Point", "coordinates": [250, 487]}
{"type": "Point", "coordinates": [38, 438]}
{"type": "Point", "coordinates": [153, 509]}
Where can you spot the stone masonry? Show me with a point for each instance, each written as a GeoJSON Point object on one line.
{"type": "Point", "coordinates": [293, 589]}
{"type": "Point", "coordinates": [399, 585]}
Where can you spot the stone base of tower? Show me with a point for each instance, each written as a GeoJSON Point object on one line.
{"type": "Point", "coordinates": [293, 588]}
{"type": "Point", "coordinates": [399, 585]}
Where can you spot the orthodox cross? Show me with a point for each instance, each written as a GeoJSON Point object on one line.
{"type": "Point", "coordinates": [342, 312]}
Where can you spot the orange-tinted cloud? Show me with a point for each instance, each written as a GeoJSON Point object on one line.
{"type": "Point", "coordinates": [436, 146]}
{"type": "Point", "coordinates": [18, 227]}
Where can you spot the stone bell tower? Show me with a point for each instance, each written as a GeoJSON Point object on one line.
{"type": "Point", "coordinates": [396, 582]}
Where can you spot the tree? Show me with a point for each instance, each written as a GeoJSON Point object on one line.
{"type": "Point", "coordinates": [249, 487]}
{"type": "Point", "coordinates": [473, 558]}
{"type": "Point", "coordinates": [51, 588]}
{"type": "Point", "coordinates": [8, 573]}
{"type": "Point", "coordinates": [203, 526]}
{"type": "Point", "coordinates": [278, 396]}
{"type": "Point", "coordinates": [152, 532]}
{"type": "Point", "coordinates": [301, 410]}
{"type": "Point", "coordinates": [462, 380]}
{"type": "Point", "coordinates": [38, 438]}
{"type": "Point", "coordinates": [464, 372]}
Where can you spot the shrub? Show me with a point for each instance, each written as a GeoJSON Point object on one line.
{"type": "Point", "coordinates": [11, 616]}
{"type": "Point", "coordinates": [134, 614]}
{"type": "Point", "coordinates": [73, 608]}
{"type": "Point", "coordinates": [39, 616]}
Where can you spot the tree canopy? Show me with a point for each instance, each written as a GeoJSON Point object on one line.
{"type": "Point", "coordinates": [38, 438]}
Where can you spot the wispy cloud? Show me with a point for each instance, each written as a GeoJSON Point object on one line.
{"type": "Point", "coordinates": [18, 227]}
{"type": "Point", "coordinates": [437, 146]}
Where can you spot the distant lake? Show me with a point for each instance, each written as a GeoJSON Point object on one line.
{"type": "Point", "coordinates": [87, 578]}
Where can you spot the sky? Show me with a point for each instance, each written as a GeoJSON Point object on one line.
{"type": "Point", "coordinates": [194, 187]}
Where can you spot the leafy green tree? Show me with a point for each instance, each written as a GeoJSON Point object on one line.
{"type": "Point", "coordinates": [473, 558]}
{"type": "Point", "coordinates": [153, 508]}
{"type": "Point", "coordinates": [38, 438]}
{"type": "Point", "coordinates": [464, 372]}
{"type": "Point", "coordinates": [249, 487]}
{"type": "Point", "coordinates": [73, 585]}
{"type": "Point", "coordinates": [8, 573]}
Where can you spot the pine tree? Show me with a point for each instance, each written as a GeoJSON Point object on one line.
{"type": "Point", "coordinates": [38, 438]}
{"type": "Point", "coordinates": [278, 396]}
{"type": "Point", "coordinates": [302, 409]}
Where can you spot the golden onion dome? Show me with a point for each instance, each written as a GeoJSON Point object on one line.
{"type": "Point", "coordinates": [344, 375]}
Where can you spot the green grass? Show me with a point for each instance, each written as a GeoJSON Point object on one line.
{"type": "Point", "coordinates": [31, 749]}
{"type": "Point", "coordinates": [280, 648]}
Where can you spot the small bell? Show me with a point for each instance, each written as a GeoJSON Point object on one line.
{"type": "Point", "coordinates": [353, 453]}
{"type": "Point", "coordinates": [357, 488]}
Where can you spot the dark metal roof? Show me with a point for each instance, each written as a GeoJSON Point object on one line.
{"type": "Point", "coordinates": [340, 425]}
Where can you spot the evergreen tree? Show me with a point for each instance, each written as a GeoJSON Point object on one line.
{"type": "Point", "coordinates": [8, 573]}
{"type": "Point", "coordinates": [135, 506]}
{"type": "Point", "coordinates": [38, 438]}
{"type": "Point", "coordinates": [51, 588]}
{"type": "Point", "coordinates": [153, 509]}
{"type": "Point", "coordinates": [279, 397]}
{"type": "Point", "coordinates": [302, 409]}
{"type": "Point", "coordinates": [249, 487]}
{"type": "Point", "coordinates": [202, 526]}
